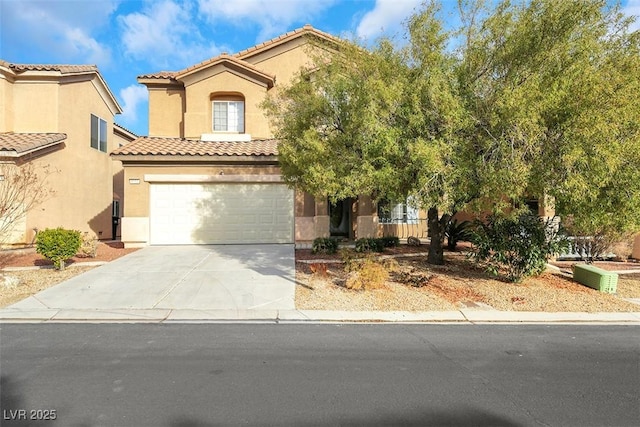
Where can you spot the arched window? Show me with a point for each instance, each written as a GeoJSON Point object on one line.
{"type": "Point", "coordinates": [227, 113]}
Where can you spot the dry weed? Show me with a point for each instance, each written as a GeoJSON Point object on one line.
{"type": "Point", "coordinates": [369, 275]}
{"type": "Point", "coordinates": [318, 268]}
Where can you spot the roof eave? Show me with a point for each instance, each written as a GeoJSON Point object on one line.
{"type": "Point", "coordinates": [189, 158]}
{"type": "Point", "coordinates": [232, 64]}
{"type": "Point", "coordinates": [159, 81]}
{"type": "Point", "coordinates": [16, 154]}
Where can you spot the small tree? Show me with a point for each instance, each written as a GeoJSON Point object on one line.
{"type": "Point", "coordinates": [58, 245]}
{"type": "Point", "coordinates": [23, 188]}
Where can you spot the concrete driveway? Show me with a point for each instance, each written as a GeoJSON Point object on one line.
{"type": "Point", "coordinates": [178, 281]}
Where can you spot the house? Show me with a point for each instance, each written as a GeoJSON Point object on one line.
{"type": "Point", "coordinates": [61, 117]}
{"type": "Point", "coordinates": [208, 171]}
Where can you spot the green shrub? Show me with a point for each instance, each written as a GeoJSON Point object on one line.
{"type": "Point", "coordinates": [369, 244]}
{"type": "Point", "coordinates": [519, 246]}
{"type": "Point", "coordinates": [324, 245]}
{"type": "Point", "coordinates": [58, 245]}
{"type": "Point", "coordinates": [390, 241]}
{"type": "Point", "coordinates": [457, 232]}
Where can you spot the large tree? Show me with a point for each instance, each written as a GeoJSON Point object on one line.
{"type": "Point", "coordinates": [551, 88]}
{"type": "Point", "coordinates": [379, 122]}
{"type": "Point", "coordinates": [537, 99]}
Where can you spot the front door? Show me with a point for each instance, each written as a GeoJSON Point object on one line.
{"type": "Point", "coordinates": [340, 218]}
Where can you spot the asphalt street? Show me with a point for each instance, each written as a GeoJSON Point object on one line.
{"type": "Point", "coordinates": [314, 375]}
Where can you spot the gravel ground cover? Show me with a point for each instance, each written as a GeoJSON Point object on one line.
{"type": "Point", "coordinates": [457, 284]}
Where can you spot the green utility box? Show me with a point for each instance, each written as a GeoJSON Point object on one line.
{"type": "Point", "coordinates": [596, 278]}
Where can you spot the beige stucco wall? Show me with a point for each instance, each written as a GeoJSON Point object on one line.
{"type": "Point", "coordinates": [166, 112]}
{"type": "Point", "coordinates": [6, 104]}
{"type": "Point", "coordinates": [36, 106]}
{"type": "Point", "coordinates": [177, 113]}
{"type": "Point", "coordinates": [284, 61]}
{"type": "Point", "coordinates": [636, 248]}
{"type": "Point", "coordinates": [82, 177]}
{"type": "Point", "coordinates": [198, 118]}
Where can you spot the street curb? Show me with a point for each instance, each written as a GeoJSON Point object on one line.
{"type": "Point", "coordinates": [311, 316]}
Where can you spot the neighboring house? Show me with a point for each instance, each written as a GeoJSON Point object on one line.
{"type": "Point", "coordinates": [122, 136]}
{"type": "Point", "coordinates": [208, 171]}
{"type": "Point", "coordinates": [62, 116]}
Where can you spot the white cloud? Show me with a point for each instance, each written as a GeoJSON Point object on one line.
{"type": "Point", "coordinates": [633, 9]}
{"type": "Point", "coordinates": [132, 98]}
{"type": "Point", "coordinates": [387, 16]}
{"type": "Point", "coordinates": [164, 34]}
{"type": "Point", "coordinates": [81, 45]}
{"type": "Point", "coordinates": [61, 30]}
{"type": "Point", "coordinates": [273, 16]}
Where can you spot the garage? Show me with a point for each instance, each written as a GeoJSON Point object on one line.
{"type": "Point", "coordinates": [220, 213]}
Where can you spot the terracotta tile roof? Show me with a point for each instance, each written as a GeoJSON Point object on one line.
{"type": "Point", "coordinates": [223, 58]}
{"type": "Point", "coordinates": [156, 146]}
{"type": "Point", "coordinates": [21, 143]}
{"type": "Point", "coordinates": [238, 57]}
{"type": "Point", "coordinates": [159, 75]}
{"type": "Point", "coordinates": [119, 126]}
{"type": "Point", "coordinates": [307, 29]}
{"type": "Point", "coordinates": [62, 68]}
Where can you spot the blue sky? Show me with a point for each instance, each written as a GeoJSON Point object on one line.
{"type": "Point", "coordinates": [126, 38]}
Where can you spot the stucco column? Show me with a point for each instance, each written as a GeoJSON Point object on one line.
{"type": "Point", "coordinates": [547, 207]}
{"type": "Point", "coordinates": [321, 218]}
{"type": "Point", "coordinates": [367, 221]}
{"type": "Point", "coordinates": [636, 248]}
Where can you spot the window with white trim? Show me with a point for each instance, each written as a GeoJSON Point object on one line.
{"type": "Point", "coordinates": [228, 116]}
{"type": "Point", "coordinates": [397, 213]}
{"type": "Point", "coordinates": [98, 133]}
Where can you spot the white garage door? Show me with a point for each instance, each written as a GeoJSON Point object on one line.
{"type": "Point", "coordinates": [220, 213]}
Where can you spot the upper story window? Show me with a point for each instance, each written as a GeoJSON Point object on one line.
{"type": "Point", "coordinates": [228, 114]}
{"type": "Point", "coordinates": [98, 133]}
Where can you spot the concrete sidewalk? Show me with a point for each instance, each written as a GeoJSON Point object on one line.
{"type": "Point", "coordinates": [37, 314]}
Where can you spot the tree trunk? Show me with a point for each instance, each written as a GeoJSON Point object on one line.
{"type": "Point", "coordinates": [436, 227]}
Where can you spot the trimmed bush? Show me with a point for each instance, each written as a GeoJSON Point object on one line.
{"type": "Point", "coordinates": [58, 245]}
{"type": "Point", "coordinates": [390, 241]}
{"type": "Point", "coordinates": [324, 245]}
{"type": "Point", "coordinates": [520, 247]}
{"type": "Point", "coordinates": [369, 244]}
